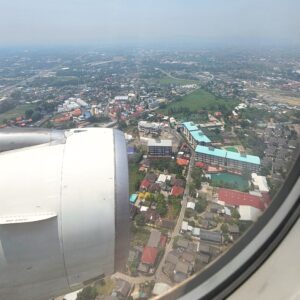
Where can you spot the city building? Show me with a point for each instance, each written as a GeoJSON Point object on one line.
{"type": "Point", "coordinates": [149, 127]}
{"type": "Point", "coordinates": [242, 161]}
{"type": "Point", "coordinates": [189, 127]}
{"type": "Point", "coordinates": [250, 207]}
{"type": "Point", "coordinates": [159, 148]}
{"type": "Point", "coordinates": [211, 156]}
{"type": "Point", "coordinates": [199, 138]}
{"type": "Point", "coordinates": [194, 135]}
{"type": "Point", "coordinates": [223, 158]}
{"type": "Point", "coordinates": [260, 183]}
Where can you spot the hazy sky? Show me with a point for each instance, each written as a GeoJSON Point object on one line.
{"type": "Point", "coordinates": [96, 21]}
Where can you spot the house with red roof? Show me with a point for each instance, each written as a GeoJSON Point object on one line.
{"type": "Point", "coordinates": [182, 161]}
{"type": "Point", "coordinates": [149, 256]}
{"type": "Point", "coordinates": [145, 184]}
{"type": "Point", "coordinates": [177, 191]}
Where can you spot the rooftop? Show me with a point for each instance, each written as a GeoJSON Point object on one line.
{"type": "Point", "coordinates": [177, 191]}
{"type": "Point", "coordinates": [149, 255]}
{"type": "Point", "coordinates": [133, 198]}
{"type": "Point", "coordinates": [260, 182]}
{"type": "Point", "coordinates": [237, 198]}
{"type": "Point", "coordinates": [190, 126]}
{"type": "Point", "coordinates": [243, 157]}
{"type": "Point", "coordinates": [154, 239]}
{"type": "Point", "coordinates": [228, 154]}
{"type": "Point", "coordinates": [166, 143]}
{"type": "Point", "coordinates": [200, 137]}
{"type": "Point", "coordinates": [211, 151]}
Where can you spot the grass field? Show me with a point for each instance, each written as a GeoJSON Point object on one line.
{"type": "Point", "coordinates": [169, 80]}
{"type": "Point", "coordinates": [134, 177]}
{"type": "Point", "coordinates": [198, 100]}
{"type": "Point", "coordinates": [232, 149]}
{"type": "Point", "coordinates": [105, 287]}
{"type": "Point", "coordinates": [140, 237]}
{"type": "Point", "coordinates": [16, 112]}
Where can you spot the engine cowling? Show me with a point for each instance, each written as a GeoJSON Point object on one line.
{"type": "Point", "coordinates": [64, 216]}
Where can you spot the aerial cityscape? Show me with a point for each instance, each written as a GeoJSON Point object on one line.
{"type": "Point", "coordinates": [211, 136]}
{"type": "Point", "coordinates": [205, 98]}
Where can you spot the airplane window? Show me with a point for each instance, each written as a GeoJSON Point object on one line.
{"type": "Point", "coordinates": [148, 149]}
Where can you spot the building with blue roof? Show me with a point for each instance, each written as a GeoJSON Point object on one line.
{"type": "Point", "coordinates": [190, 126]}
{"type": "Point", "coordinates": [223, 158]}
{"type": "Point", "coordinates": [194, 135]}
{"type": "Point", "coordinates": [133, 198]}
{"type": "Point", "coordinates": [210, 155]}
{"type": "Point", "coordinates": [199, 138]}
{"type": "Point", "coordinates": [242, 161]}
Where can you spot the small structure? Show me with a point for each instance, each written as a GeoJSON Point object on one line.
{"type": "Point", "coordinates": [149, 256]}
{"type": "Point", "coordinates": [154, 239]}
{"type": "Point", "coordinates": [184, 227]}
{"type": "Point", "coordinates": [177, 191]}
{"type": "Point", "coordinates": [211, 236]}
{"type": "Point", "coordinates": [160, 288]}
{"type": "Point", "coordinates": [191, 205]}
{"type": "Point", "coordinates": [133, 198]}
{"type": "Point", "coordinates": [173, 257]}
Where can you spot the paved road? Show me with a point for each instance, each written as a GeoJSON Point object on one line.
{"type": "Point", "coordinates": [159, 274]}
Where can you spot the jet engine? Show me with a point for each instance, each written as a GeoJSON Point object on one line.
{"type": "Point", "coordinates": [64, 210]}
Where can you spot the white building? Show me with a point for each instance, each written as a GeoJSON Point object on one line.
{"type": "Point", "coordinates": [249, 213]}
{"type": "Point", "coordinates": [260, 183]}
{"type": "Point", "coordinates": [191, 205]}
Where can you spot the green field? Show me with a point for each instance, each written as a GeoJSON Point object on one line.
{"type": "Point", "coordinates": [232, 149]}
{"type": "Point", "coordinates": [169, 80]}
{"type": "Point", "coordinates": [199, 100]}
{"type": "Point", "coordinates": [16, 112]}
{"type": "Point", "coordinates": [135, 177]}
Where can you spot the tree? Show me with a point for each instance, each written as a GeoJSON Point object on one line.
{"type": "Point", "coordinates": [122, 125]}
{"type": "Point", "coordinates": [192, 223]}
{"type": "Point", "coordinates": [140, 220]}
{"type": "Point", "coordinates": [36, 116]}
{"type": "Point", "coordinates": [28, 113]}
{"type": "Point", "coordinates": [88, 293]}
{"type": "Point", "coordinates": [235, 214]}
{"type": "Point", "coordinates": [160, 197]}
{"type": "Point", "coordinates": [161, 207]}
{"type": "Point", "coordinates": [200, 206]}
{"type": "Point", "coordinates": [224, 228]}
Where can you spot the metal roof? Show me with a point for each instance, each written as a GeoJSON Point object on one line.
{"type": "Point", "coordinates": [245, 158]}
{"type": "Point", "coordinates": [228, 154]}
{"type": "Point", "coordinates": [211, 151]}
{"type": "Point", "coordinates": [190, 126]}
{"type": "Point", "coordinates": [165, 143]}
{"type": "Point", "coordinates": [199, 136]}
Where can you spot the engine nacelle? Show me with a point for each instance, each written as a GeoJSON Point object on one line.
{"type": "Point", "coordinates": [64, 214]}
